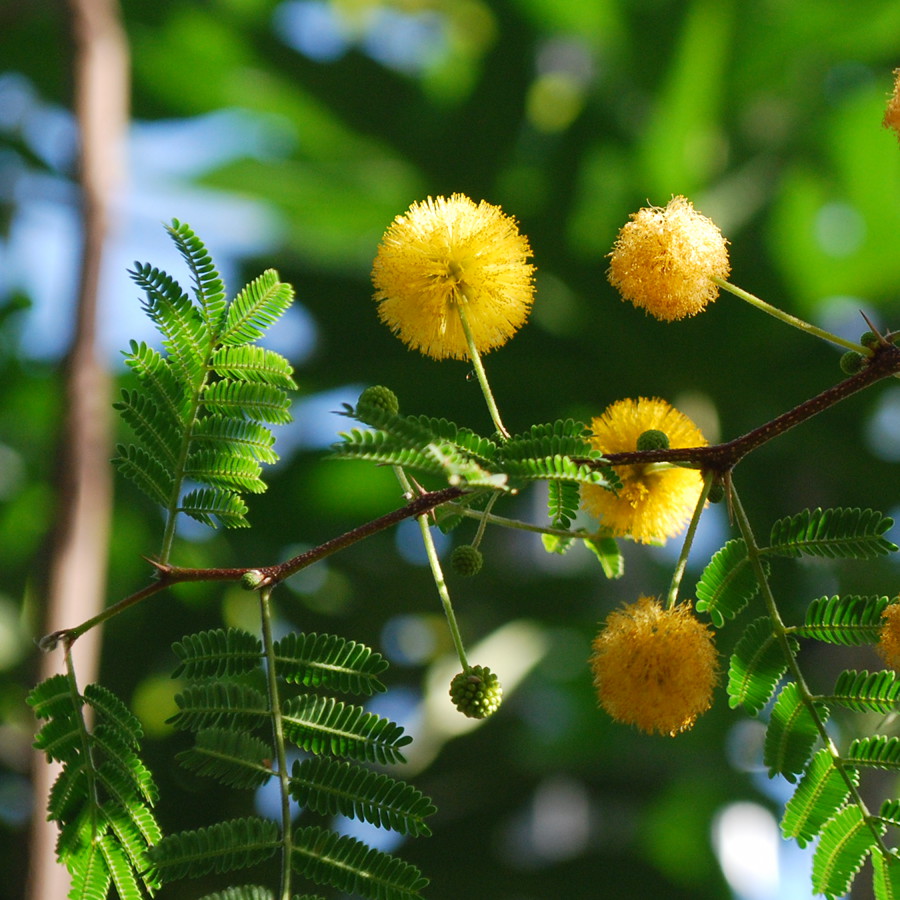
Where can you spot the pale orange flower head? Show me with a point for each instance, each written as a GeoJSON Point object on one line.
{"type": "Point", "coordinates": [892, 113]}
{"type": "Point", "coordinates": [445, 253]}
{"type": "Point", "coordinates": [655, 501]}
{"type": "Point", "coordinates": [889, 639]}
{"type": "Point", "coordinates": [655, 668]}
{"type": "Point", "coordinates": [663, 260]}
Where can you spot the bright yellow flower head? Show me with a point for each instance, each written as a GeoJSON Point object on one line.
{"type": "Point", "coordinates": [655, 668]}
{"type": "Point", "coordinates": [663, 260]}
{"type": "Point", "coordinates": [443, 253]}
{"type": "Point", "coordinates": [889, 640]}
{"type": "Point", "coordinates": [892, 113]}
{"type": "Point", "coordinates": [655, 501]}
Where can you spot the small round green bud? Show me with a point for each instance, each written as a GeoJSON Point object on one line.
{"type": "Point", "coordinates": [252, 580]}
{"type": "Point", "coordinates": [869, 339]}
{"type": "Point", "coordinates": [466, 560]}
{"type": "Point", "coordinates": [852, 362]}
{"type": "Point", "coordinates": [653, 440]}
{"type": "Point", "coordinates": [716, 492]}
{"type": "Point", "coordinates": [476, 692]}
{"type": "Point", "coordinates": [377, 397]}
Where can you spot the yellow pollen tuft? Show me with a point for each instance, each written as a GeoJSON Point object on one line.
{"type": "Point", "coordinates": [663, 260]}
{"type": "Point", "coordinates": [655, 668]}
{"type": "Point", "coordinates": [441, 253]}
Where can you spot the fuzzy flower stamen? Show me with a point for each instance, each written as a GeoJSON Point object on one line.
{"type": "Point", "coordinates": [889, 639]}
{"type": "Point", "coordinates": [892, 113]}
{"type": "Point", "coordinates": [446, 253]}
{"type": "Point", "coordinates": [655, 668]}
{"type": "Point", "coordinates": [655, 502]}
{"type": "Point", "coordinates": [664, 259]}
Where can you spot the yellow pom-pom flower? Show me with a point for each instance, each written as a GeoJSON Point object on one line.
{"type": "Point", "coordinates": [446, 253]}
{"type": "Point", "coordinates": [663, 260]}
{"type": "Point", "coordinates": [655, 668]}
{"type": "Point", "coordinates": [892, 113]}
{"type": "Point", "coordinates": [655, 501]}
{"type": "Point", "coordinates": [889, 638]}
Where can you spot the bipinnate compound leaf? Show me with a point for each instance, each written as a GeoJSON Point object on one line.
{"type": "Point", "coordinates": [791, 733]}
{"type": "Point", "coordinates": [832, 533]}
{"type": "Point", "coordinates": [844, 843]}
{"type": "Point", "coordinates": [757, 664]}
{"type": "Point", "coordinates": [822, 791]}
{"type": "Point", "coordinates": [727, 584]}
{"type": "Point", "coordinates": [849, 620]}
{"type": "Point", "coordinates": [233, 758]}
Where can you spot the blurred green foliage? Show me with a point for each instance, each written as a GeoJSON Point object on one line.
{"type": "Point", "coordinates": [570, 115]}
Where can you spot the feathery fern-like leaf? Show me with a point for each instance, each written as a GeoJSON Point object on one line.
{"type": "Point", "coordinates": [822, 791]}
{"type": "Point", "coordinates": [563, 501]}
{"type": "Point", "coordinates": [867, 691]}
{"type": "Point", "coordinates": [145, 471]}
{"type": "Point", "coordinates": [237, 437]}
{"type": "Point", "coordinates": [246, 892]}
{"type": "Point", "coordinates": [847, 620]}
{"type": "Point", "coordinates": [832, 533]}
{"type": "Point", "coordinates": [120, 870]}
{"type": "Point", "coordinates": [326, 725]}
{"type": "Point", "coordinates": [791, 733]}
{"type": "Point", "coordinates": [329, 787]}
{"type": "Point", "coordinates": [156, 431]}
{"type": "Point", "coordinates": [565, 437]}
{"type": "Point", "coordinates": [90, 874]}
{"type": "Point", "coordinates": [757, 664]}
{"type": "Point", "coordinates": [350, 866]}
{"type": "Point", "coordinates": [233, 758]}
{"type": "Point", "coordinates": [329, 661]}
{"type": "Point", "coordinates": [560, 468]}
{"type": "Point", "coordinates": [223, 847]}
{"type": "Point", "coordinates": [221, 470]}
{"type": "Point", "coordinates": [216, 653]}
{"type": "Point", "coordinates": [845, 842]}
{"type": "Point", "coordinates": [727, 584]}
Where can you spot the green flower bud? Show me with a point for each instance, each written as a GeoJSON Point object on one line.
{"type": "Point", "coordinates": [251, 580]}
{"type": "Point", "coordinates": [852, 362]}
{"type": "Point", "coordinates": [476, 692]}
{"type": "Point", "coordinates": [466, 560]}
{"type": "Point", "coordinates": [869, 339]}
{"type": "Point", "coordinates": [653, 440]}
{"type": "Point", "coordinates": [377, 397]}
{"type": "Point", "coordinates": [716, 492]}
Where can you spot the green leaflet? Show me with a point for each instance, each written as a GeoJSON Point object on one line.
{"type": "Point", "coordinates": [223, 847]}
{"type": "Point", "coordinates": [847, 620]}
{"type": "Point", "coordinates": [832, 533]}
{"type": "Point", "coordinates": [349, 865]}
{"type": "Point", "coordinates": [791, 733]}
{"type": "Point", "coordinates": [329, 661]}
{"type": "Point", "coordinates": [727, 584]}
{"type": "Point", "coordinates": [756, 666]}
{"type": "Point", "coordinates": [867, 692]}
{"type": "Point", "coordinates": [845, 842]}
{"type": "Point", "coordinates": [877, 751]}
{"type": "Point", "coordinates": [330, 787]}
{"type": "Point", "coordinates": [886, 875]}
{"type": "Point", "coordinates": [822, 791]}
{"type": "Point", "coordinates": [234, 758]}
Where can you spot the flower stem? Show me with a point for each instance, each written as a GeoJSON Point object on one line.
{"type": "Point", "coordinates": [680, 566]}
{"type": "Point", "coordinates": [753, 300]}
{"type": "Point", "coordinates": [479, 370]}
{"type": "Point", "coordinates": [265, 610]}
{"type": "Point", "coordinates": [437, 573]}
